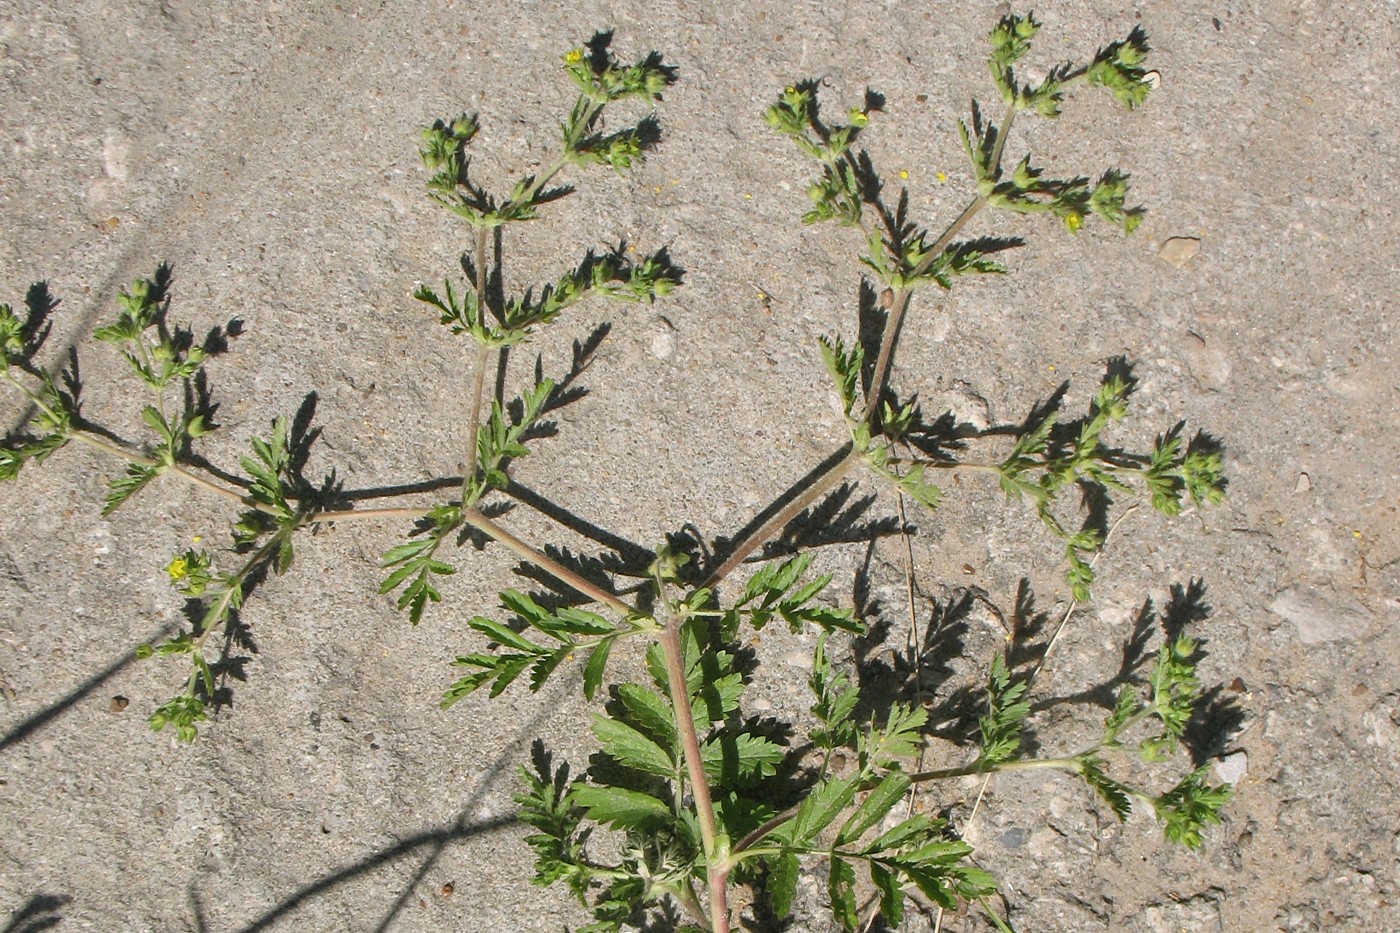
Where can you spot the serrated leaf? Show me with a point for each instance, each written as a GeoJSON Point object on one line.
{"type": "Point", "coordinates": [841, 889]}
{"type": "Point", "coordinates": [523, 606]}
{"type": "Point", "coordinates": [873, 808]}
{"type": "Point", "coordinates": [582, 622]}
{"type": "Point", "coordinates": [1006, 709]}
{"type": "Point", "coordinates": [629, 747]}
{"type": "Point", "coordinates": [285, 554]}
{"type": "Point", "coordinates": [817, 811]}
{"type": "Point", "coordinates": [124, 487]}
{"type": "Point", "coordinates": [1113, 793]}
{"type": "Point", "coordinates": [899, 738]}
{"type": "Point", "coordinates": [504, 635]}
{"type": "Point", "coordinates": [1128, 704]}
{"type": "Point", "coordinates": [932, 880]}
{"type": "Point", "coordinates": [775, 577]}
{"type": "Point", "coordinates": [915, 829]}
{"type": "Point", "coordinates": [717, 698]}
{"type": "Point", "coordinates": [403, 552]}
{"type": "Point", "coordinates": [782, 882]}
{"type": "Point", "coordinates": [891, 894]}
{"type": "Point", "coordinates": [155, 421]}
{"type": "Point", "coordinates": [1186, 809]}
{"type": "Point", "coordinates": [544, 666]}
{"type": "Point", "coordinates": [732, 759]}
{"type": "Point", "coordinates": [621, 808]}
{"type": "Point", "coordinates": [462, 687]}
{"type": "Point", "coordinates": [508, 668]}
{"type": "Point", "coordinates": [651, 712]}
{"type": "Point", "coordinates": [593, 670]}
{"type": "Point", "coordinates": [836, 700]}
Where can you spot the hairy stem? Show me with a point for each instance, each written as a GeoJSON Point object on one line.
{"type": "Point", "coordinates": [1023, 764]}
{"type": "Point", "coordinates": [478, 377]}
{"type": "Point", "coordinates": [337, 515]}
{"type": "Point", "coordinates": [543, 179]}
{"type": "Point", "coordinates": [715, 864]}
{"type": "Point", "coordinates": [544, 562]}
{"type": "Point", "coordinates": [35, 400]}
{"type": "Point", "coordinates": [174, 469]}
{"type": "Point", "coordinates": [765, 532]}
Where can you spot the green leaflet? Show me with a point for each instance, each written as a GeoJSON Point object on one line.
{"type": "Point", "coordinates": [873, 808]}
{"type": "Point", "coordinates": [629, 747]}
{"type": "Point", "coordinates": [1006, 709]}
{"type": "Point", "coordinates": [621, 808]}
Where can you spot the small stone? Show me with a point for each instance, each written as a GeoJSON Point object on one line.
{"type": "Point", "coordinates": [1304, 483]}
{"type": "Point", "coordinates": [118, 704]}
{"type": "Point", "coordinates": [1198, 914]}
{"type": "Point", "coordinates": [1381, 728]}
{"type": "Point", "coordinates": [970, 410]}
{"type": "Point", "coordinates": [663, 345]}
{"type": "Point", "coordinates": [1231, 769]}
{"type": "Point", "coordinates": [1206, 361]}
{"type": "Point", "coordinates": [798, 659]}
{"type": "Point", "coordinates": [1318, 617]}
{"type": "Point", "coordinates": [1179, 250]}
{"type": "Point", "coordinates": [1015, 837]}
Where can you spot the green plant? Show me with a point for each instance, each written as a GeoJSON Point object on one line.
{"type": "Point", "coordinates": [691, 786]}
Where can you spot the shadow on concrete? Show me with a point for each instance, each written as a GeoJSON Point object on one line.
{"type": "Point", "coordinates": [36, 721]}
{"type": "Point", "coordinates": [40, 912]}
{"type": "Point", "coordinates": [429, 844]}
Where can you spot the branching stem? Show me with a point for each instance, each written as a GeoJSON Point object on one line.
{"type": "Point", "coordinates": [175, 469]}
{"type": "Point", "coordinates": [902, 297]}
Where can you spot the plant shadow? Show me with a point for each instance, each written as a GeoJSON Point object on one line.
{"type": "Point", "coordinates": [41, 912]}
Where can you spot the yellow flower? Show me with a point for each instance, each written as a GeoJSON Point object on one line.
{"type": "Point", "coordinates": [573, 56]}
{"type": "Point", "coordinates": [178, 569]}
{"type": "Point", "coordinates": [1074, 222]}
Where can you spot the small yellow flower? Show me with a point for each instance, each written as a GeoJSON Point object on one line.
{"type": "Point", "coordinates": [942, 179]}
{"type": "Point", "coordinates": [904, 176]}
{"type": "Point", "coordinates": [178, 569]}
{"type": "Point", "coordinates": [573, 56]}
{"type": "Point", "coordinates": [1074, 222]}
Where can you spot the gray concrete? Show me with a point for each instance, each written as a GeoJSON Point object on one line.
{"type": "Point", "coordinates": [267, 152]}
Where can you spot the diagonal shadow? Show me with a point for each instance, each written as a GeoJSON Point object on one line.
{"type": "Point", "coordinates": [36, 721]}
{"type": "Point", "coordinates": [434, 840]}
{"type": "Point", "coordinates": [432, 843]}
{"type": "Point", "coordinates": [40, 912]}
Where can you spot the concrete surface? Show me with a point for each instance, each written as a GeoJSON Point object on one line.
{"type": "Point", "coordinates": [266, 150]}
